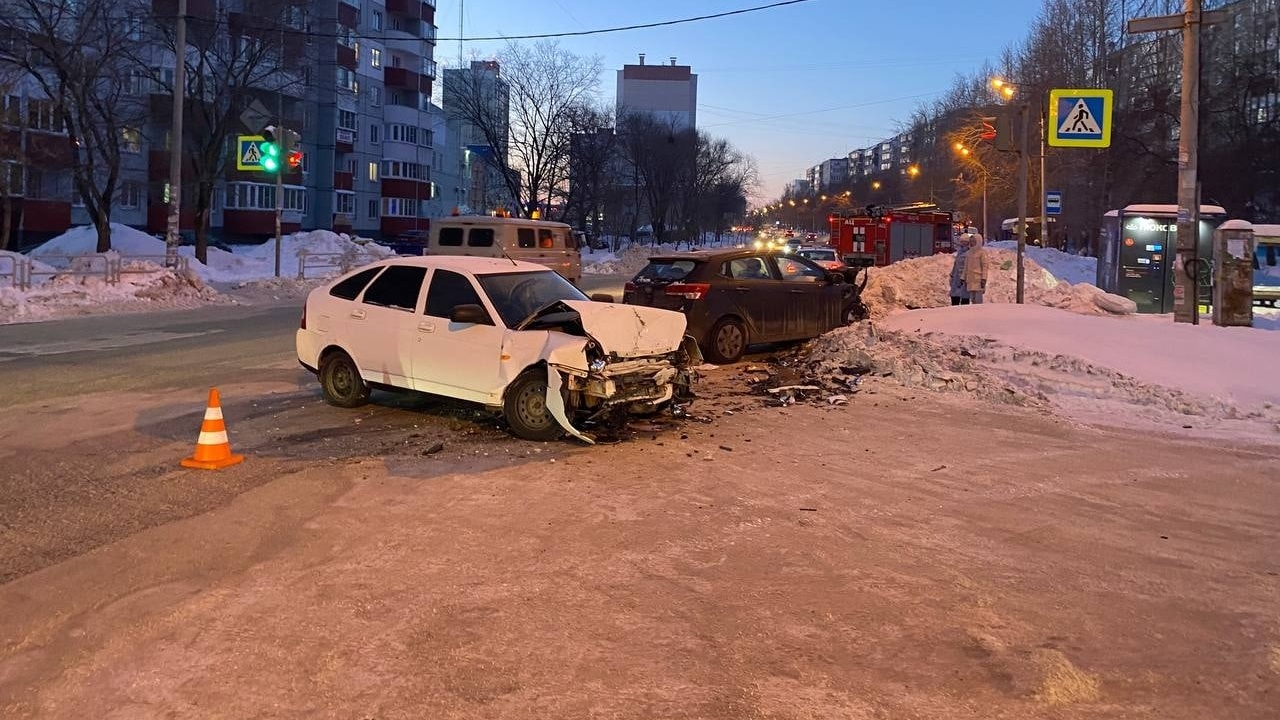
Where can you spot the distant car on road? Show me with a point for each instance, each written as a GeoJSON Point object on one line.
{"type": "Point", "coordinates": [737, 298]}
{"type": "Point", "coordinates": [824, 257]}
{"type": "Point", "coordinates": [513, 336]}
{"type": "Point", "coordinates": [811, 236]}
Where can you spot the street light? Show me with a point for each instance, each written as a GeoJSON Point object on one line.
{"type": "Point", "coordinates": [1007, 90]}
{"type": "Point", "coordinates": [965, 152]}
{"type": "Point", "coordinates": [875, 184]}
{"type": "Point", "coordinates": [914, 170]}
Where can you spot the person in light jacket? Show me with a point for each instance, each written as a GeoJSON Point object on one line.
{"type": "Point", "coordinates": [958, 294]}
{"type": "Point", "coordinates": [977, 267]}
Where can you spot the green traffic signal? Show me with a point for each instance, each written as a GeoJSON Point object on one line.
{"type": "Point", "coordinates": [270, 157]}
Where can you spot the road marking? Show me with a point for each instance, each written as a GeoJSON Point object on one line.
{"type": "Point", "coordinates": [97, 344]}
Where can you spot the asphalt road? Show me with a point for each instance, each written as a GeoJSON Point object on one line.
{"type": "Point", "coordinates": [159, 350]}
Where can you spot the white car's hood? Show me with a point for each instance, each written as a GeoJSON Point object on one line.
{"type": "Point", "coordinates": [630, 330]}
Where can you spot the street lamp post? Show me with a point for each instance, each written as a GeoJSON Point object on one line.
{"type": "Point", "coordinates": [1007, 90]}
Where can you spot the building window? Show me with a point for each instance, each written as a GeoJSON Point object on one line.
{"type": "Point", "coordinates": [139, 83]}
{"type": "Point", "coordinates": [344, 203]}
{"type": "Point", "coordinates": [11, 113]}
{"type": "Point", "coordinates": [351, 166]}
{"type": "Point", "coordinates": [356, 49]}
{"type": "Point", "coordinates": [377, 20]}
{"type": "Point", "coordinates": [406, 170]}
{"type": "Point", "coordinates": [373, 172]}
{"type": "Point", "coordinates": [375, 133]}
{"type": "Point", "coordinates": [373, 209]}
{"type": "Point", "coordinates": [130, 140]}
{"type": "Point", "coordinates": [375, 57]}
{"type": "Point", "coordinates": [346, 120]}
{"type": "Point", "coordinates": [35, 185]}
{"type": "Point", "coordinates": [346, 79]}
{"type": "Point", "coordinates": [130, 195]}
{"type": "Point", "coordinates": [375, 96]}
{"type": "Point", "coordinates": [401, 207]}
{"type": "Point", "coordinates": [261, 196]}
{"type": "Point", "coordinates": [41, 116]}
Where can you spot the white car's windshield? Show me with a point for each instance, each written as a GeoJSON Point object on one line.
{"type": "Point", "coordinates": [516, 296]}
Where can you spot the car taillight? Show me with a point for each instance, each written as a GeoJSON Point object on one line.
{"type": "Point", "coordinates": [303, 325]}
{"type": "Point", "coordinates": [689, 291]}
{"type": "Point", "coordinates": [629, 287]}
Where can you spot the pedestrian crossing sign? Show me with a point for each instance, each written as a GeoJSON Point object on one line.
{"type": "Point", "coordinates": [249, 152]}
{"type": "Point", "coordinates": [1080, 118]}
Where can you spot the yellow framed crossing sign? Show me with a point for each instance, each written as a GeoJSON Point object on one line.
{"type": "Point", "coordinates": [1080, 118]}
{"type": "Point", "coordinates": [249, 152]}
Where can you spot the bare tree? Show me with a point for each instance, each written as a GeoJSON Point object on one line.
{"type": "Point", "coordinates": [530, 134]}
{"type": "Point", "coordinates": [228, 66]}
{"type": "Point", "coordinates": [663, 157]}
{"type": "Point", "coordinates": [80, 54]}
{"type": "Point", "coordinates": [723, 177]}
{"type": "Point", "coordinates": [594, 158]}
{"type": "Point", "coordinates": [12, 164]}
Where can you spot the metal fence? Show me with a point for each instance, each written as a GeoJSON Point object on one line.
{"type": "Point", "coordinates": [22, 271]}
{"type": "Point", "coordinates": [328, 264]}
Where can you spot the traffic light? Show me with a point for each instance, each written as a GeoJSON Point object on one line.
{"type": "Point", "coordinates": [295, 159]}
{"type": "Point", "coordinates": [270, 148]}
{"type": "Point", "coordinates": [270, 156]}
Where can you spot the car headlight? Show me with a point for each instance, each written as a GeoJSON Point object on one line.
{"type": "Point", "coordinates": [759, 244]}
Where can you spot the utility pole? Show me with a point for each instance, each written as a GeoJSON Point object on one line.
{"type": "Point", "coordinates": [282, 136]}
{"type": "Point", "coordinates": [1044, 189]}
{"type": "Point", "coordinates": [173, 231]}
{"type": "Point", "coordinates": [1024, 170]}
{"type": "Point", "coordinates": [1186, 264]}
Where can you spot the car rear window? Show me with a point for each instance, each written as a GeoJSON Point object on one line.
{"type": "Point", "coordinates": [350, 288]}
{"type": "Point", "coordinates": [450, 236]}
{"type": "Point", "coordinates": [667, 270]}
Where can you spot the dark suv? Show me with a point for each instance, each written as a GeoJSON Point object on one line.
{"type": "Point", "coordinates": [737, 298]}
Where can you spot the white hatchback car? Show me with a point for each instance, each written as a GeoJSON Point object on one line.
{"type": "Point", "coordinates": [513, 336]}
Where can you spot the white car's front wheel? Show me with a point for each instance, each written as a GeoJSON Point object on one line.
{"type": "Point", "coordinates": [525, 407]}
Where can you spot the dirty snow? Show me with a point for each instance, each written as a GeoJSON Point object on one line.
{"type": "Point", "coordinates": [925, 283]}
{"type": "Point", "coordinates": [246, 263]}
{"type": "Point", "coordinates": [1074, 269]}
{"type": "Point", "coordinates": [1143, 373]}
{"type": "Point", "coordinates": [147, 285]}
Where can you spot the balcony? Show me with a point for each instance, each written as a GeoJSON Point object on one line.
{"type": "Point", "coordinates": [429, 68]}
{"type": "Point", "coordinates": [394, 77]}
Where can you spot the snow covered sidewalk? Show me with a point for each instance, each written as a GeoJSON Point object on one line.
{"type": "Point", "coordinates": [1140, 373]}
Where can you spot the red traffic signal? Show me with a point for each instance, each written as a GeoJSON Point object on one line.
{"type": "Point", "coordinates": [988, 131]}
{"type": "Point", "coordinates": [295, 159]}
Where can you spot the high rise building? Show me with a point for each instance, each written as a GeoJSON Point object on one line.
{"type": "Point", "coordinates": [354, 80]}
{"type": "Point", "coordinates": [667, 92]}
{"type": "Point", "coordinates": [479, 88]}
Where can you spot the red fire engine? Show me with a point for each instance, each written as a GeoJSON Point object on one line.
{"type": "Point", "coordinates": [880, 235]}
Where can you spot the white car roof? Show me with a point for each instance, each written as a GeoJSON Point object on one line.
{"type": "Point", "coordinates": [466, 263]}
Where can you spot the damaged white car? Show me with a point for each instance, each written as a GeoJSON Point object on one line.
{"type": "Point", "coordinates": [513, 336]}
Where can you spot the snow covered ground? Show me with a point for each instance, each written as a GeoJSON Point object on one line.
{"type": "Point", "coordinates": [1144, 373]}
{"type": "Point", "coordinates": [1066, 267]}
{"type": "Point", "coordinates": [147, 285]}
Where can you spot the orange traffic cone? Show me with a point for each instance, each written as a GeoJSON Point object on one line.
{"type": "Point", "coordinates": [213, 450]}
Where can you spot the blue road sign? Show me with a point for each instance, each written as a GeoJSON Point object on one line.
{"type": "Point", "coordinates": [1053, 202]}
{"type": "Point", "coordinates": [1080, 118]}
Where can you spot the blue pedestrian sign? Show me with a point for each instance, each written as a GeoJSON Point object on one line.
{"type": "Point", "coordinates": [1080, 118]}
{"type": "Point", "coordinates": [1053, 202]}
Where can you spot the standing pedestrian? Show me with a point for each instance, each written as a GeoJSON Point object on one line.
{"type": "Point", "coordinates": [959, 296]}
{"type": "Point", "coordinates": [976, 269]}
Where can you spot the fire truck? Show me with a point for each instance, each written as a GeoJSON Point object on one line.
{"type": "Point", "coordinates": [877, 235]}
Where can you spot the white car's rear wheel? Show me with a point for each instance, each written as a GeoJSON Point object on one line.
{"type": "Point", "coordinates": [340, 381]}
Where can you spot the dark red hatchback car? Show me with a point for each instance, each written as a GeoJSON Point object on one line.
{"type": "Point", "coordinates": [737, 298]}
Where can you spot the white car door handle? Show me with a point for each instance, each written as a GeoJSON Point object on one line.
{"type": "Point", "coordinates": [426, 327]}
{"type": "Point", "coordinates": [358, 314]}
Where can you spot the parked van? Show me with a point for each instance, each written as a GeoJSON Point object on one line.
{"type": "Point", "coordinates": [537, 241]}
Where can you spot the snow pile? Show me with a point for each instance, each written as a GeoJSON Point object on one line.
{"type": "Point", "coordinates": [925, 283]}
{"type": "Point", "coordinates": [142, 286]}
{"type": "Point", "coordinates": [1074, 269]}
{"type": "Point", "coordinates": [337, 252]}
{"type": "Point", "coordinates": [627, 262]}
{"type": "Point", "coordinates": [1133, 372]}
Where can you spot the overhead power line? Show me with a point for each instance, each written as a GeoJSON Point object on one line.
{"type": "Point", "coordinates": [641, 26]}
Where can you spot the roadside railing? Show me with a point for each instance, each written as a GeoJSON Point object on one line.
{"type": "Point", "coordinates": [22, 271]}
{"type": "Point", "coordinates": [319, 265]}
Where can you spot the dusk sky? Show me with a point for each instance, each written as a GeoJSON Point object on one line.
{"type": "Point", "coordinates": [791, 86]}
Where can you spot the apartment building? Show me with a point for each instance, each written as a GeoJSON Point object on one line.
{"type": "Point", "coordinates": [481, 87]}
{"type": "Point", "coordinates": [355, 82]}
{"type": "Point", "coordinates": [666, 92]}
